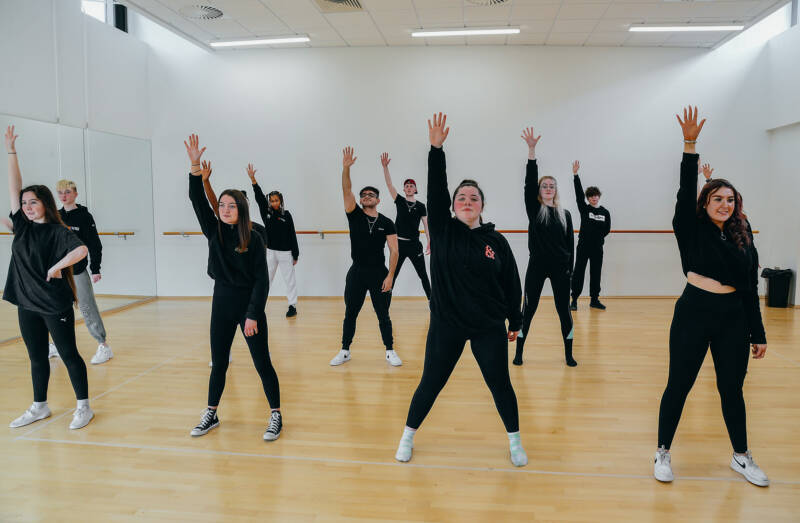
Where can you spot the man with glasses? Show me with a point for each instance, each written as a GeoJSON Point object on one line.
{"type": "Point", "coordinates": [370, 231]}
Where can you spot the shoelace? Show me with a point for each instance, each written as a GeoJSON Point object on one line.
{"type": "Point", "coordinates": [207, 418]}
{"type": "Point", "coordinates": [663, 457]}
{"type": "Point", "coordinates": [274, 423]}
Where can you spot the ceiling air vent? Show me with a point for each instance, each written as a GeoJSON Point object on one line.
{"type": "Point", "coordinates": [487, 3]}
{"type": "Point", "coordinates": [339, 6]}
{"type": "Point", "coordinates": [200, 12]}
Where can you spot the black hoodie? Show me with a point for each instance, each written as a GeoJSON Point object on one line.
{"type": "Point", "coordinates": [81, 222]}
{"type": "Point", "coordinates": [549, 244]}
{"type": "Point", "coordinates": [243, 270]}
{"type": "Point", "coordinates": [281, 235]}
{"type": "Point", "coordinates": [595, 221]}
{"type": "Point", "coordinates": [475, 282]}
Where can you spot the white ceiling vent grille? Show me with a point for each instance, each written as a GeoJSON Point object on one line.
{"type": "Point", "coordinates": [339, 6]}
{"type": "Point", "coordinates": [200, 12]}
{"type": "Point", "coordinates": [487, 3]}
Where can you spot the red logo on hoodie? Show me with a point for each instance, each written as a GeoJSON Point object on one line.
{"type": "Point", "coordinates": [489, 252]}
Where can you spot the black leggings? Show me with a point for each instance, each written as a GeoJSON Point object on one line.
{"type": "Point", "coordinates": [34, 328]}
{"type": "Point", "coordinates": [702, 318]}
{"type": "Point", "coordinates": [442, 351]}
{"type": "Point", "coordinates": [534, 282]}
{"type": "Point", "coordinates": [228, 311]}
{"type": "Point", "coordinates": [593, 254]}
{"type": "Point", "coordinates": [361, 279]}
{"type": "Point", "coordinates": [413, 251]}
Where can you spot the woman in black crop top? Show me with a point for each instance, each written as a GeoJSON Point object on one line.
{"type": "Point", "coordinates": [40, 284]}
{"type": "Point", "coordinates": [719, 306]}
{"type": "Point", "coordinates": [476, 289]}
{"type": "Point", "coordinates": [236, 263]}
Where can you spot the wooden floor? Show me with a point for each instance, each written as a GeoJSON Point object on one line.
{"type": "Point", "coordinates": [589, 432]}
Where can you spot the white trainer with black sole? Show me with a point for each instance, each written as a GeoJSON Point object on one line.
{"type": "Point", "coordinates": [393, 359]}
{"type": "Point", "coordinates": [273, 431]}
{"type": "Point", "coordinates": [746, 466]}
{"type": "Point", "coordinates": [31, 415]}
{"type": "Point", "coordinates": [208, 422]}
{"type": "Point", "coordinates": [662, 468]}
{"type": "Point", "coordinates": [343, 356]}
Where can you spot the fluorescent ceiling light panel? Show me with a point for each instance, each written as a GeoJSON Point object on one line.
{"type": "Point", "coordinates": [262, 41]}
{"type": "Point", "coordinates": [682, 28]}
{"type": "Point", "coordinates": [467, 32]}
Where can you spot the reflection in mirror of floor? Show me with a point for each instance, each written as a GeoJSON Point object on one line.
{"type": "Point", "coordinates": [590, 432]}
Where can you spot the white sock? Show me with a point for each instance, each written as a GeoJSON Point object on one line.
{"type": "Point", "coordinates": [38, 405]}
{"type": "Point", "coordinates": [83, 403]}
{"type": "Point", "coordinates": [408, 434]}
{"type": "Point", "coordinates": [518, 456]}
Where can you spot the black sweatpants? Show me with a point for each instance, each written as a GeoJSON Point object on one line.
{"type": "Point", "coordinates": [701, 319]}
{"type": "Point", "coordinates": [413, 251]}
{"type": "Point", "coordinates": [34, 328]}
{"type": "Point", "coordinates": [534, 282]}
{"type": "Point", "coordinates": [442, 351]}
{"type": "Point", "coordinates": [361, 279]}
{"type": "Point", "coordinates": [228, 311]}
{"type": "Point", "coordinates": [593, 254]}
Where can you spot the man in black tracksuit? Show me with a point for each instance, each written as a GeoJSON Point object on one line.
{"type": "Point", "coordinates": [595, 226]}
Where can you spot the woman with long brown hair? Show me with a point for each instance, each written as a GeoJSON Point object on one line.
{"type": "Point", "coordinates": [40, 284]}
{"type": "Point", "coordinates": [718, 308]}
{"type": "Point", "coordinates": [236, 263]}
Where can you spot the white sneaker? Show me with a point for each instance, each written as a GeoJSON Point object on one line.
{"type": "Point", "coordinates": [31, 415]}
{"type": "Point", "coordinates": [81, 418]}
{"type": "Point", "coordinates": [662, 469]}
{"type": "Point", "coordinates": [102, 355]}
{"type": "Point", "coordinates": [342, 356]}
{"type": "Point", "coordinates": [230, 360]}
{"type": "Point", "coordinates": [745, 466]}
{"type": "Point", "coordinates": [404, 450]}
{"type": "Point", "coordinates": [393, 359]}
{"type": "Point", "coordinates": [53, 351]}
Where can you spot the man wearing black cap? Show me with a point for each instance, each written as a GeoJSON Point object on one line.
{"type": "Point", "coordinates": [409, 213]}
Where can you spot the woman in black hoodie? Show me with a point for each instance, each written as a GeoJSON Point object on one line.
{"type": "Point", "coordinates": [236, 263]}
{"type": "Point", "coordinates": [475, 289]}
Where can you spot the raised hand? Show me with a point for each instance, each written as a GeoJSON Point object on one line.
{"type": "Point", "coordinates": [527, 135]}
{"type": "Point", "coordinates": [251, 172]}
{"type": "Point", "coordinates": [11, 138]}
{"type": "Point", "coordinates": [691, 129]}
{"type": "Point", "coordinates": [205, 170]}
{"type": "Point", "coordinates": [576, 165]}
{"type": "Point", "coordinates": [707, 170]}
{"type": "Point", "coordinates": [437, 132]}
{"type": "Point", "coordinates": [385, 160]}
{"type": "Point", "coordinates": [193, 149]}
{"type": "Point", "coordinates": [347, 157]}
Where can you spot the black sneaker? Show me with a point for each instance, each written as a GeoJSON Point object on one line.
{"type": "Point", "coordinates": [574, 305]}
{"type": "Point", "coordinates": [291, 312]}
{"type": "Point", "coordinates": [595, 304]}
{"type": "Point", "coordinates": [207, 422]}
{"type": "Point", "coordinates": [275, 426]}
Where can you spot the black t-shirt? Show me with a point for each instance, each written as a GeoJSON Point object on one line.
{"type": "Point", "coordinates": [408, 217]}
{"type": "Point", "coordinates": [368, 237]}
{"type": "Point", "coordinates": [36, 248]}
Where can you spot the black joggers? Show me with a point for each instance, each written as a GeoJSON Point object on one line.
{"type": "Point", "coordinates": [593, 254]}
{"type": "Point", "coordinates": [361, 279]}
{"type": "Point", "coordinates": [412, 249]}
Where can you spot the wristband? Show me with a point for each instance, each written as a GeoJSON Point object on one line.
{"type": "Point", "coordinates": [690, 141]}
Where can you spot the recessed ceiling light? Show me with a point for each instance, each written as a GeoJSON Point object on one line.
{"type": "Point", "coordinates": [466, 32]}
{"type": "Point", "coordinates": [682, 28]}
{"type": "Point", "coordinates": [262, 41]}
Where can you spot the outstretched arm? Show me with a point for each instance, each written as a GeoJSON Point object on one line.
{"type": "Point", "coordinates": [386, 176]}
{"type": "Point", "coordinates": [261, 200]}
{"type": "Point", "coordinates": [14, 175]}
{"type": "Point", "coordinates": [347, 186]}
{"type": "Point", "coordinates": [202, 209]}
{"type": "Point", "coordinates": [438, 197]}
{"type": "Point", "coordinates": [205, 174]}
{"type": "Point", "coordinates": [579, 196]}
{"type": "Point", "coordinates": [532, 203]}
{"type": "Point", "coordinates": [684, 220]}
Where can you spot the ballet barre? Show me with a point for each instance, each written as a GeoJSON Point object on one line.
{"type": "Point", "coordinates": [120, 234]}
{"type": "Point", "coordinates": [322, 234]}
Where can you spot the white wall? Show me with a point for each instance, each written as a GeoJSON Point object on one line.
{"type": "Point", "coordinates": [291, 111]}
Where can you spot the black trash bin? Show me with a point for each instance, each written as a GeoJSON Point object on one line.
{"type": "Point", "coordinates": [778, 283]}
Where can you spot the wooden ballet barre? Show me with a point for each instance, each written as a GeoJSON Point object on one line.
{"type": "Point", "coordinates": [122, 234]}
{"type": "Point", "coordinates": [504, 231]}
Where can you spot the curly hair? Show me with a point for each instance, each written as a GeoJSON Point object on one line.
{"type": "Point", "coordinates": [736, 225]}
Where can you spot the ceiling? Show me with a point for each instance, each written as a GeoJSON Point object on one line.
{"type": "Point", "coordinates": [390, 22]}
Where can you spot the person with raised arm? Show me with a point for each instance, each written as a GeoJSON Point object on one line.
{"type": "Point", "coordinates": [370, 232]}
{"type": "Point", "coordinates": [40, 284]}
{"type": "Point", "coordinates": [476, 289]}
{"type": "Point", "coordinates": [719, 307]}
{"type": "Point", "coordinates": [410, 212]}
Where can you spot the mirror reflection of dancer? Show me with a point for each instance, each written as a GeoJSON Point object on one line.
{"type": "Point", "coordinates": [40, 284]}
{"type": "Point", "coordinates": [236, 263]}
{"type": "Point", "coordinates": [410, 212]}
{"type": "Point", "coordinates": [550, 242]}
{"type": "Point", "coordinates": [718, 308]}
{"type": "Point", "coordinates": [476, 289]}
{"type": "Point", "coordinates": [370, 231]}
